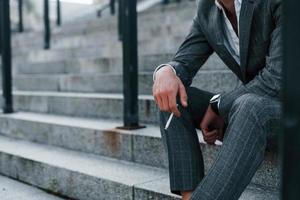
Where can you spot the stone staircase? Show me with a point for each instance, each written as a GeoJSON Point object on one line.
{"type": "Point", "coordinates": [63, 139]}
{"type": "Point", "coordinates": [9, 187]}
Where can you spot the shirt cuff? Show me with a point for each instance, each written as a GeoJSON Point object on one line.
{"type": "Point", "coordinates": [161, 66]}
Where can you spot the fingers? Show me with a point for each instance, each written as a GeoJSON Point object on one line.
{"type": "Point", "coordinates": [165, 103]}
{"type": "Point", "coordinates": [165, 90]}
{"type": "Point", "coordinates": [211, 136]}
{"type": "Point", "coordinates": [173, 105]}
{"type": "Point", "coordinates": [182, 94]}
{"type": "Point", "coordinates": [160, 98]}
{"type": "Point", "coordinates": [158, 101]}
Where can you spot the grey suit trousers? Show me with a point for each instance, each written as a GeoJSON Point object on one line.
{"type": "Point", "coordinates": [251, 117]}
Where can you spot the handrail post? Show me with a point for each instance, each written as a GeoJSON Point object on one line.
{"type": "Point", "coordinates": [20, 10]}
{"type": "Point", "coordinates": [6, 56]}
{"type": "Point", "coordinates": [130, 66]}
{"type": "Point", "coordinates": [290, 138]}
{"type": "Point", "coordinates": [0, 27]}
{"type": "Point", "coordinates": [58, 13]}
{"type": "Point", "coordinates": [120, 19]}
{"type": "Point", "coordinates": [112, 5]}
{"type": "Point", "coordinates": [165, 2]}
{"type": "Point", "coordinates": [47, 34]}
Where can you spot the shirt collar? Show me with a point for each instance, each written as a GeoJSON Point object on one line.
{"type": "Point", "coordinates": [219, 5]}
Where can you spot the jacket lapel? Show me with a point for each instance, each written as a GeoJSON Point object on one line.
{"type": "Point", "coordinates": [246, 16]}
{"type": "Point", "coordinates": [215, 33]}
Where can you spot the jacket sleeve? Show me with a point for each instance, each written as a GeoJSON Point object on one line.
{"type": "Point", "coordinates": [192, 53]}
{"type": "Point", "coordinates": [269, 80]}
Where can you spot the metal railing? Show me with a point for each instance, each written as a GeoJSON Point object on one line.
{"type": "Point", "coordinates": [128, 22]}
{"type": "Point", "coordinates": [120, 17]}
{"type": "Point", "coordinates": [130, 64]}
{"type": "Point", "coordinates": [111, 5]}
{"type": "Point", "coordinates": [58, 13]}
{"type": "Point", "coordinates": [127, 30]}
{"type": "Point", "coordinates": [47, 27]}
{"type": "Point", "coordinates": [6, 56]}
{"type": "Point", "coordinates": [20, 11]}
{"type": "Point", "coordinates": [168, 1]}
{"type": "Point", "coordinates": [47, 32]}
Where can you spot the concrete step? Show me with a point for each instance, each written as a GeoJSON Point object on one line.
{"type": "Point", "coordinates": [101, 137]}
{"type": "Point", "coordinates": [79, 175]}
{"type": "Point", "coordinates": [212, 80]}
{"type": "Point", "coordinates": [11, 190]}
{"type": "Point", "coordinates": [40, 55]}
{"type": "Point", "coordinates": [164, 16]}
{"type": "Point", "coordinates": [171, 7]}
{"type": "Point", "coordinates": [148, 32]}
{"type": "Point", "coordinates": [98, 47]}
{"type": "Point", "coordinates": [106, 36]}
{"type": "Point", "coordinates": [87, 105]}
{"type": "Point", "coordinates": [96, 136]}
{"type": "Point", "coordinates": [102, 65]}
{"type": "Point", "coordinates": [147, 63]}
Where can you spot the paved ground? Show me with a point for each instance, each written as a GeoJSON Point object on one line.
{"type": "Point", "coordinates": [13, 190]}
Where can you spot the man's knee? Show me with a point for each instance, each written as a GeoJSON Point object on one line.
{"type": "Point", "coordinates": [247, 102]}
{"type": "Point", "coordinates": [252, 107]}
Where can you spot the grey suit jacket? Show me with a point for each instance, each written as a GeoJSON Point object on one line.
{"type": "Point", "coordinates": [260, 48]}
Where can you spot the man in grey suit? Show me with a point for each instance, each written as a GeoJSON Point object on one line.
{"type": "Point", "coordinates": [246, 34]}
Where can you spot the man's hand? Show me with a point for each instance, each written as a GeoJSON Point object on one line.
{"type": "Point", "coordinates": [165, 89]}
{"type": "Point", "coordinates": [212, 126]}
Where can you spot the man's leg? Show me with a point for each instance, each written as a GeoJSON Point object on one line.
{"type": "Point", "coordinates": [251, 118]}
{"type": "Point", "coordinates": [181, 141]}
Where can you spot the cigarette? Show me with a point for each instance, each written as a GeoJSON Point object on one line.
{"type": "Point", "coordinates": [169, 121]}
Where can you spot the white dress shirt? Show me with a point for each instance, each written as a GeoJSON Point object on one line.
{"type": "Point", "coordinates": [232, 41]}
